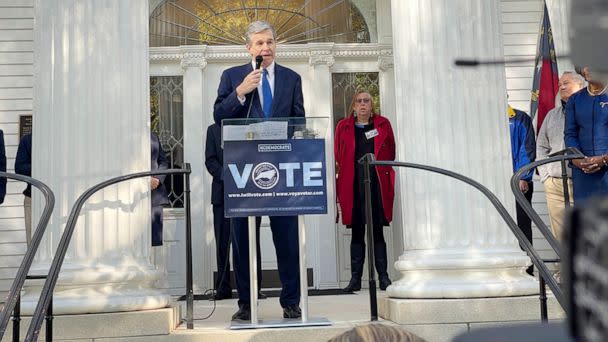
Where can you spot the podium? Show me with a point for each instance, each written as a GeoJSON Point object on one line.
{"type": "Point", "coordinates": [275, 167]}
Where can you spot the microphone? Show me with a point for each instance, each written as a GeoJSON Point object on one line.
{"type": "Point", "coordinates": [477, 62]}
{"type": "Point", "coordinates": [258, 65]}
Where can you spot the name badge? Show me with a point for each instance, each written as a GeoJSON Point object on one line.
{"type": "Point", "coordinates": [372, 133]}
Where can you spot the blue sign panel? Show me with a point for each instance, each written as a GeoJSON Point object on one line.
{"type": "Point", "coordinates": [274, 177]}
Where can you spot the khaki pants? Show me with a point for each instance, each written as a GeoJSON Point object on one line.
{"type": "Point", "coordinates": [554, 192]}
{"type": "Point", "coordinates": [27, 212]}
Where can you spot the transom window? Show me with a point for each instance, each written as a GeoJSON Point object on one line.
{"type": "Point", "coordinates": [224, 22]}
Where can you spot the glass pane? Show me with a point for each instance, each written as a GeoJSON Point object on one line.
{"type": "Point", "coordinates": [167, 121]}
{"type": "Point", "coordinates": [221, 22]}
{"type": "Point", "coordinates": [344, 87]}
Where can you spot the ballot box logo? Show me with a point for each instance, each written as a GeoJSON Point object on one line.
{"type": "Point", "coordinates": [265, 176]}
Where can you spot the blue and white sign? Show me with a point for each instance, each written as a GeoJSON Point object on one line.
{"type": "Point", "coordinates": [274, 177]}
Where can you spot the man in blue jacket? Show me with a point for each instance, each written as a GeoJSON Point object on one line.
{"type": "Point", "coordinates": [523, 152]}
{"type": "Point", "coordinates": [272, 91]}
{"type": "Point", "coordinates": [23, 166]}
{"type": "Point", "coordinates": [2, 167]}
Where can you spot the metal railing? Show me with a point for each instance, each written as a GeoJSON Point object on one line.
{"type": "Point", "coordinates": [545, 277]}
{"type": "Point", "coordinates": [12, 303]}
{"type": "Point", "coordinates": [369, 160]}
{"type": "Point", "coordinates": [51, 280]}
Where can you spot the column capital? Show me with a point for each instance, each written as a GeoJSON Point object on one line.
{"type": "Point", "coordinates": [321, 54]}
{"type": "Point", "coordinates": [193, 60]}
{"type": "Point", "coordinates": [385, 62]}
{"type": "Point", "coordinates": [328, 60]}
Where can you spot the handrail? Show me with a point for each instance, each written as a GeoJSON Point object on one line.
{"type": "Point", "coordinates": [562, 156]}
{"type": "Point", "coordinates": [567, 154]}
{"type": "Point", "coordinates": [28, 258]}
{"type": "Point", "coordinates": [369, 159]}
{"type": "Point", "coordinates": [49, 284]}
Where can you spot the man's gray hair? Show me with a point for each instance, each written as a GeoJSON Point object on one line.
{"type": "Point", "coordinates": [575, 77]}
{"type": "Point", "coordinates": [257, 27]}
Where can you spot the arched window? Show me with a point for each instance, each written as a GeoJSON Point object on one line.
{"type": "Point", "coordinates": [222, 22]}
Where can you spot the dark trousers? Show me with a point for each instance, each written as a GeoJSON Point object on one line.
{"type": "Point", "coordinates": [285, 238]}
{"type": "Point", "coordinates": [221, 228]}
{"type": "Point", "coordinates": [359, 234]}
{"type": "Point", "coordinates": [358, 251]}
{"type": "Point", "coordinates": [157, 225]}
{"type": "Point", "coordinates": [523, 220]}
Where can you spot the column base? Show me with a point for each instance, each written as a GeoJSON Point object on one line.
{"type": "Point", "coordinates": [99, 289]}
{"type": "Point", "coordinates": [470, 311]}
{"type": "Point", "coordinates": [452, 274]}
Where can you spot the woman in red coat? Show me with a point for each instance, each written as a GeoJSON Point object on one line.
{"type": "Point", "coordinates": [362, 132]}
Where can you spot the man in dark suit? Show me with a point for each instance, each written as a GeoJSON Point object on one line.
{"type": "Point", "coordinates": [214, 161]}
{"type": "Point", "coordinates": [160, 198]}
{"type": "Point", "coordinates": [2, 167]}
{"type": "Point", "coordinates": [23, 166]}
{"type": "Point", "coordinates": [272, 91]}
{"type": "Point", "coordinates": [158, 162]}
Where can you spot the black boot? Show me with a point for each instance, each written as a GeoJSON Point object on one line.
{"type": "Point", "coordinates": [381, 264]}
{"type": "Point", "coordinates": [357, 258]}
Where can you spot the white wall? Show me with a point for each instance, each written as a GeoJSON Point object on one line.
{"type": "Point", "coordinates": [16, 70]}
{"type": "Point", "coordinates": [521, 24]}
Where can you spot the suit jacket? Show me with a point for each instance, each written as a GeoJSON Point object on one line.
{"type": "Point", "coordinates": [214, 161]}
{"type": "Point", "coordinates": [158, 161]}
{"type": "Point", "coordinates": [287, 100]}
{"type": "Point", "coordinates": [23, 161]}
{"type": "Point", "coordinates": [2, 167]}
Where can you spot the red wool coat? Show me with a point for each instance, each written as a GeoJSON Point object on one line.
{"type": "Point", "coordinates": [344, 152]}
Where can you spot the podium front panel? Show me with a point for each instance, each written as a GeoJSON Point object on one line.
{"type": "Point", "coordinates": [274, 168]}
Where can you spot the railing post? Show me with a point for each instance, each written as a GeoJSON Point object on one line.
{"type": "Point", "coordinates": [16, 319]}
{"type": "Point", "coordinates": [543, 299]}
{"type": "Point", "coordinates": [565, 184]}
{"type": "Point", "coordinates": [189, 290]}
{"type": "Point", "coordinates": [370, 236]}
{"type": "Point", "coordinates": [49, 322]}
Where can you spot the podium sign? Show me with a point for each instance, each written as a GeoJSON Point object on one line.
{"type": "Point", "coordinates": [274, 177]}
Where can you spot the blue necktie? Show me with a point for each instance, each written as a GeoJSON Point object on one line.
{"type": "Point", "coordinates": [267, 93]}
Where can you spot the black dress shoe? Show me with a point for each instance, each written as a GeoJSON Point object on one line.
{"type": "Point", "coordinates": [220, 296]}
{"type": "Point", "coordinates": [292, 311]}
{"type": "Point", "coordinates": [384, 283]}
{"type": "Point", "coordinates": [353, 285]}
{"type": "Point", "coordinates": [261, 295]}
{"type": "Point", "coordinates": [244, 313]}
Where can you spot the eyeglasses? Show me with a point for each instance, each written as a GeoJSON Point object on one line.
{"type": "Point", "coordinates": [366, 100]}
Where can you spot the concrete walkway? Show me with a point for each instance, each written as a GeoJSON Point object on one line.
{"type": "Point", "coordinates": [344, 311]}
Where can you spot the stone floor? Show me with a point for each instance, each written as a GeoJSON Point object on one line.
{"type": "Point", "coordinates": [344, 311]}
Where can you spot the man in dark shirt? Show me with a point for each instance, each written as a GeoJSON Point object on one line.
{"type": "Point", "coordinates": [23, 166]}
{"type": "Point", "coordinates": [2, 167]}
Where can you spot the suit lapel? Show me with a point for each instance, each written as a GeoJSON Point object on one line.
{"type": "Point", "coordinates": [278, 89]}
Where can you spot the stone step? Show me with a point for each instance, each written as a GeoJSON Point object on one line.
{"type": "Point", "coordinates": [433, 319]}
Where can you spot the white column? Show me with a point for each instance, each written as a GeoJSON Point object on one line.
{"type": "Point", "coordinates": [193, 63]}
{"type": "Point", "coordinates": [321, 230]}
{"type": "Point", "coordinates": [92, 112]}
{"type": "Point", "coordinates": [559, 13]}
{"type": "Point", "coordinates": [393, 232]}
{"type": "Point", "coordinates": [456, 245]}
